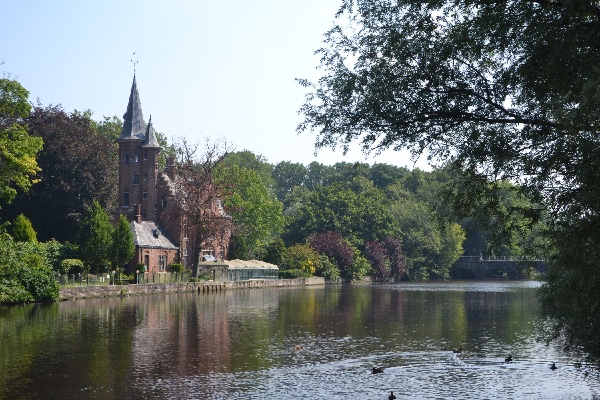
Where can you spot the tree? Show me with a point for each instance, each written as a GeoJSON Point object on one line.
{"type": "Point", "coordinates": [199, 196]}
{"type": "Point", "coordinates": [287, 175]}
{"type": "Point", "coordinates": [357, 217]}
{"type": "Point", "coordinates": [24, 274]}
{"type": "Point", "coordinates": [506, 90]}
{"type": "Point", "coordinates": [23, 230]}
{"type": "Point", "coordinates": [122, 246]}
{"type": "Point", "coordinates": [18, 150]}
{"type": "Point", "coordinates": [337, 250]}
{"type": "Point", "coordinates": [255, 213]}
{"type": "Point", "coordinates": [95, 239]}
{"type": "Point", "coordinates": [78, 164]}
{"type": "Point", "coordinates": [386, 258]}
{"type": "Point", "coordinates": [299, 261]}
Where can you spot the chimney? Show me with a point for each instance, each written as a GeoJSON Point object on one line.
{"type": "Point", "coordinates": [170, 167]}
{"type": "Point", "coordinates": [138, 216]}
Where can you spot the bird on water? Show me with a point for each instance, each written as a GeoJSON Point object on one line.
{"type": "Point", "coordinates": [508, 359]}
{"type": "Point", "coordinates": [376, 370]}
{"type": "Point", "coordinates": [553, 366]}
{"type": "Point", "coordinates": [458, 350]}
{"type": "Point", "coordinates": [391, 396]}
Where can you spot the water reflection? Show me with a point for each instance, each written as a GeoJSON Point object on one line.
{"type": "Point", "coordinates": [242, 344]}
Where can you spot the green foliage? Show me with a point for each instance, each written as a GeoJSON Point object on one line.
{"type": "Point", "coordinates": [140, 268]}
{"type": "Point", "coordinates": [78, 164]}
{"type": "Point", "coordinates": [256, 214]}
{"type": "Point", "coordinates": [327, 269]}
{"type": "Point", "coordinates": [274, 251]}
{"type": "Point", "coordinates": [359, 268]}
{"type": "Point", "coordinates": [238, 248]}
{"type": "Point", "coordinates": [22, 230]}
{"type": "Point", "coordinates": [122, 246]}
{"type": "Point", "coordinates": [95, 239]}
{"type": "Point", "coordinates": [300, 258]}
{"type": "Point", "coordinates": [24, 275]}
{"type": "Point", "coordinates": [73, 266]}
{"type": "Point", "coordinates": [358, 217]}
{"type": "Point", "coordinates": [18, 150]}
{"type": "Point", "coordinates": [176, 268]}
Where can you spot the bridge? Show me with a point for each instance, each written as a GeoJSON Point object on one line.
{"type": "Point", "coordinates": [474, 267]}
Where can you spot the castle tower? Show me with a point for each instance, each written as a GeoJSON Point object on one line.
{"type": "Point", "coordinates": [138, 163]}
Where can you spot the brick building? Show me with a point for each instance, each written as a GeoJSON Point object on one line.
{"type": "Point", "coordinates": [147, 198]}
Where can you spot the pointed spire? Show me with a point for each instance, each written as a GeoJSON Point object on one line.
{"type": "Point", "coordinates": [134, 126]}
{"type": "Point", "coordinates": [151, 140]}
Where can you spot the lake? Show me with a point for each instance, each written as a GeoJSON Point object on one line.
{"type": "Point", "coordinates": [314, 342]}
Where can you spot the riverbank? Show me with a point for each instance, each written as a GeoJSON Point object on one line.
{"type": "Point", "coordinates": [82, 292]}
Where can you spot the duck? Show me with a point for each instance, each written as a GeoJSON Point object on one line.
{"type": "Point", "coordinates": [376, 370]}
{"type": "Point", "coordinates": [298, 347]}
{"type": "Point", "coordinates": [458, 350]}
{"type": "Point", "coordinates": [508, 359]}
{"type": "Point", "coordinates": [553, 366]}
{"type": "Point", "coordinates": [391, 396]}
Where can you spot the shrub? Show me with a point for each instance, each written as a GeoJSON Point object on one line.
{"type": "Point", "coordinates": [176, 268]}
{"type": "Point", "coordinates": [73, 266]}
{"type": "Point", "coordinates": [24, 275]}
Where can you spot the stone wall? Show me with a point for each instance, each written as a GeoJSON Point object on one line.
{"type": "Point", "coordinates": [81, 292]}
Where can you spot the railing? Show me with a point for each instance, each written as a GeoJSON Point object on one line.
{"type": "Point", "coordinates": [491, 258]}
{"type": "Point", "coordinates": [110, 278]}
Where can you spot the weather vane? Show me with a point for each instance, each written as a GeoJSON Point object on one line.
{"type": "Point", "coordinates": [134, 62]}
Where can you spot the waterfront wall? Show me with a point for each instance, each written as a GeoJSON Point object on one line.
{"type": "Point", "coordinates": [82, 292]}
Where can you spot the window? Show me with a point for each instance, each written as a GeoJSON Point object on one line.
{"type": "Point", "coordinates": [145, 155]}
{"type": "Point", "coordinates": [135, 158]}
{"type": "Point", "coordinates": [185, 228]}
{"type": "Point", "coordinates": [164, 202]}
{"type": "Point", "coordinates": [145, 195]}
{"type": "Point", "coordinates": [156, 166]}
{"type": "Point", "coordinates": [156, 205]}
{"type": "Point", "coordinates": [146, 261]}
{"type": "Point", "coordinates": [126, 158]}
{"type": "Point", "coordinates": [126, 199]}
{"type": "Point", "coordinates": [162, 261]}
{"type": "Point", "coordinates": [144, 215]}
{"type": "Point", "coordinates": [136, 179]}
{"type": "Point", "coordinates": [145, 176]}
{"type": "Point", "coordinates": [185, 252]}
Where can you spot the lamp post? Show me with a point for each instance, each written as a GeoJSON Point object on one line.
{"type": "Point", "coordinates": [137, 276]}
{"type": "Point", "coordinates": [113, 278]}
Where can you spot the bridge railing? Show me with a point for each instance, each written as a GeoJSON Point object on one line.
{"type": "Point", "coordinates": [500, 258]}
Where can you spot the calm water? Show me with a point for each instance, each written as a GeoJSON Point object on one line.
{"type": "Point", "coordinates": [240, 345]}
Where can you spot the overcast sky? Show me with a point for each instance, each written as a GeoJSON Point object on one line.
{"type": "Point", "coordinates": [221, 68]}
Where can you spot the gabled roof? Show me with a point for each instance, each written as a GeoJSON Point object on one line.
{"type": "Point", "coordinates": [150, 137]}
{"type": "Point", "coordinates": [134, 127]}
{"type": "Point", "coordinates": [148, 234]}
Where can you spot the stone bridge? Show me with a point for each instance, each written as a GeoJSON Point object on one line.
{"type": "Point", "coordinates": [495, 267]}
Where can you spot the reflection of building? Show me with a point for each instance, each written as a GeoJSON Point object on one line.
{"type": "Point", "coordinates": [148, 199]}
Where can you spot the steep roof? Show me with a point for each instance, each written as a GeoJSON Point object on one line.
{"type": "Point", "coordinates": [134, 127]}
{"type": "Point", "coordinates": [150, 137]}
{"type": "Point", "coordinates": [147, 234]}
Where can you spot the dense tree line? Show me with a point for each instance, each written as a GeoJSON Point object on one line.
{"type": "Point", "coordinates": [505, 93]}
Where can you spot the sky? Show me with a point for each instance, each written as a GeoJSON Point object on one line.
{"type": "Point", "coordinates": [218, 69]}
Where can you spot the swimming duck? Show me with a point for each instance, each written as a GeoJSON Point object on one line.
{"type": "Point", "coordinates": [459, 350]}
{"type": "Point", "coordinates": [376, 370]}
{"type": "Point", "coordinates": [391, 396]}
{"type": "Point", "coordinates": [297, 347]}
{"type": "Point", "coordinates": [508, 359]}
{"type": "Point", "coordinates": [553, 366]}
